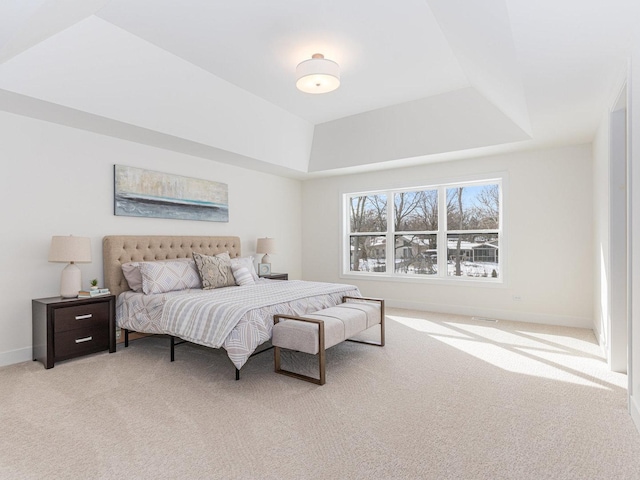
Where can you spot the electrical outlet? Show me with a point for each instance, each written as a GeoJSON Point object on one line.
{"type": "Point", "coordinates": [517, 298]}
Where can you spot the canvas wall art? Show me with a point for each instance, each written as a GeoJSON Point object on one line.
{"type": "Point", "coordinates": [145, 193]}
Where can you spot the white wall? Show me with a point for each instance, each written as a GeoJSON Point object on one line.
{"type": "Point", "coordinates": [548, 225]}
{"type": "Point", "coordinates": [456, 120]}
{"type": "Point", "coordinates": [634, 158]}
{"type": "Point", "coordinates": [58, 181]}
{"type": "Point", "coordinates": [601, 232]}
{"type": "Point", "coordinates": [610, 233]}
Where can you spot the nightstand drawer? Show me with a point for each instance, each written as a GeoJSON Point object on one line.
{"type": "Point", "coordinates": [95, 317]}
{"type": "Point", "coordinates": [80, 342]}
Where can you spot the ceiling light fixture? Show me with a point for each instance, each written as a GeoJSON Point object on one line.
{"type": "Point", "coordinates": [318, 75]}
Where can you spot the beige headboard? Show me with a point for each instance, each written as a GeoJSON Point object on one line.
{"type": "Point", "coordinates": [119, 249]}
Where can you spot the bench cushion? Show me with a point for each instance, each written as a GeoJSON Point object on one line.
{"type": "Point", "coordinates": [371, 310]}
{"type": "Point", "coordinates": [303, 336]}
{"type": "Point", "coordinates": [353, 321]}
{"type": "Point", "coordinates": [340, 323]}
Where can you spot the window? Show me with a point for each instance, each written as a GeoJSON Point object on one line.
{"type": "Point", "coordinates": [444, 231]}
{"type": "Point", "coordinates": [368, 221]}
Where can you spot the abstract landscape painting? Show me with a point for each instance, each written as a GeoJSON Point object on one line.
{"type": "Point", "coordinates": [145, 193]}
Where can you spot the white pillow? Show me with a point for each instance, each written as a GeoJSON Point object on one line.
{"type": "Point", "coordinates": [246, 262]}
{"type": "Point", "coordinates": [242, 275]}
{"type": "Point", "coordinates": [162, 277]}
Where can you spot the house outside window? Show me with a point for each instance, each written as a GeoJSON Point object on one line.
{"type": "Point", "coordinates": [447, 232]}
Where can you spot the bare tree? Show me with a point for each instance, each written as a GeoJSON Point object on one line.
{"type": "Point", "coordinates": [457, 216]}
{"type": "Point", "coordinates": [406, 204]}
{"type": "Point", "coordinates": [357, 213]}
{"type": "Point", "coordinates": [379, 203]}
{"type": "Point", "coordinates": [368, 214]}
{"type": "Point", "coordinates": [488, 207]}
{"type": "Point", "coordinates": [427, 210]}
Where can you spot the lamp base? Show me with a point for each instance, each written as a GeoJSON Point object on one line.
{"type": "Point", "coordinates": [70, 281]}
{"type": "Point", "coordinates": [265, 259]}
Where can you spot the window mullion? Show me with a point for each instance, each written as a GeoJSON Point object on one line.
{"type": "Point", "coordinates": [391, 221]}
{"type": "Point", "coordinates": [442, 232]}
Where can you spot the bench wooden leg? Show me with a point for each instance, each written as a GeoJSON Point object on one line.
{"type": "Point", "coordinates": [321, 341]}
{"type": "Point", "coordinates": [321, 354]}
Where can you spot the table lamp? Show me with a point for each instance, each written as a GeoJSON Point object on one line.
{"type": "Point", "coordinates": [70, 250]}
{"type": "Point", "coordinates": [266, 246]}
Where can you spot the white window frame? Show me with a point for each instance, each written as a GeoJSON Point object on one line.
{"type": "Point", "coordinates": [441, 277]}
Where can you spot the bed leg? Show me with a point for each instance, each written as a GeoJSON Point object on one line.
{"type": "Point", "coordinates": [237, 374]}
{"type": "Point", "coordinates": [173, 348]}
{"type": "Point", "coordinates": [126, 337]}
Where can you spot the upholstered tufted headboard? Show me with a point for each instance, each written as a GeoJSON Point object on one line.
{"type": "Point", "coordinates": [119, 249]}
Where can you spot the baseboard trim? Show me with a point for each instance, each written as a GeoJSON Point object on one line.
{"type": "Point", "coordinates": [516, 316]}
{"type": "Point", "coordinates": [15, 356]}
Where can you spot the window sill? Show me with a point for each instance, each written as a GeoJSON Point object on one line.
{"type": "Point", "coordinates": [447, 281]}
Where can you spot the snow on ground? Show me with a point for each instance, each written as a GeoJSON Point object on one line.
{"type": "Point", "coordinates": [468, 269]}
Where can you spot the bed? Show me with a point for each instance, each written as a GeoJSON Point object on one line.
{"type": "Point", "coordinates": [236, 318]}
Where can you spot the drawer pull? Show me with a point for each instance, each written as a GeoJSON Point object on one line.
{"type": "Point", "coordinates": [85, 339]}
{"type": "Point", "coordinates": [84, 317]}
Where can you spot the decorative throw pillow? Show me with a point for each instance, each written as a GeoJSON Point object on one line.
{"type": "Point", "coordinates": [242, 275]}
{"type": "Point", "coordinates": [215, 272]}
{"type": "Point", "coordinates": [162, 277]}
{"type": "Point", "coordinates": [131, 271]}
{"type": "Point", "coordinates": [246, 262]}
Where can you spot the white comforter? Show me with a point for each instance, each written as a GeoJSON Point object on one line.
{"type": "Point", "coordinates": [236, 318]}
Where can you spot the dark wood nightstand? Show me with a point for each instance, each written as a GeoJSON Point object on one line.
{"type": "Point", "coordinates": [276, 276]}
{"type": "Point", "coordinates": [65, 328]}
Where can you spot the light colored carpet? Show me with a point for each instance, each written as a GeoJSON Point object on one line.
{"type": "Point", "coordinates": [449, 397]}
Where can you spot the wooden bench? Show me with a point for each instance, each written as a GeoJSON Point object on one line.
{"type": "Point", "coordinates": [317, 331]}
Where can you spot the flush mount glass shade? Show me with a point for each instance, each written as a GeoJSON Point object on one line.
{"type": "Point", "coordinates": [70, 250]}
{"type": "Point", "coordinates": [266, 246]}
{"type": "Point", "coordinates": [318, 75]}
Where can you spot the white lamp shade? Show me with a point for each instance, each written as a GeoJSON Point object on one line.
{"type": "Point", "coordinates": [70, 249]}
{"type": "Point", "coordinates": [266, 245]}
{"type": "Point", "coordinates": [317, 75]}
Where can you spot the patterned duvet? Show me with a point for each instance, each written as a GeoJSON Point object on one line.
{"type": "Point", "coordinates": [236, 318]}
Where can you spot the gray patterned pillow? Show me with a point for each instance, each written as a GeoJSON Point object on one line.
{"type": "Point", "coordinates": [131, 272]}
{"type": "Point", "coordinates": [162, 277]}
{"type": "Point", "coordinates": [215, 272]}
